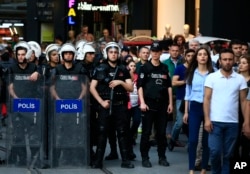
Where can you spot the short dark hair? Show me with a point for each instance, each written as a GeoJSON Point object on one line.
{"type": "Point", "coordinates": [245, 43]}
{"type": "Point", "coordinates": [189, 51]}
{"type": "Point", "coordinates": [234, 42]}
{"type": "Point", "coordinates": [175, 45]}
{"type": "Point", "coordinates": [225, 50]}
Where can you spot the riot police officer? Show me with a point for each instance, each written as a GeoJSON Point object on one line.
{"type": "Point", "coordinates": [46, 69]}
{"type": "Point", "coordinates": [68, 82]}
{"type": "Point", "coordinates": [86, 56]}
{"type": "Point", "coordinates": [109, 86]}
{"type": "Point", "coordinates": [67, 55]}
{"type": "Point", "coordinates": [36, 52]}
{"type": "Point", "coordinates": [52, 58]}
{"type": "Point", "coordinates": [155, 94]}
{"type": "Point", "coordinates": [23, 53]}
{"type": "Point", "coordinates": [24, 84]}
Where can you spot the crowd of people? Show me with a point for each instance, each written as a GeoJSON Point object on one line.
{"type": "Point", "coordinates": [170, 87]}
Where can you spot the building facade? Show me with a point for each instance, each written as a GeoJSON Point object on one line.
{"type": "Point", "coordinates": [43, 20]}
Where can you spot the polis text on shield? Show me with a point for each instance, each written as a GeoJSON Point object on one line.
{"type": "Point", "coordinates": [69, 106]}
{"type": "Point", "coordinates": [26, 105]}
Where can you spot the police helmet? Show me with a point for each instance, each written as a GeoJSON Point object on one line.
{"type": "Point", "coordinates": [111, 45]}
{"type": "Point", "coordinates": [87, 48]}
{"type": "Point", "coordinates": [36, 48]}
{"type": "Point", "coordinates": [25, 45]}
{"type": "Point", "coordinates": [67, 47]}
{"type": "Point", "coordinates": [49, 48]}
{"type": "Point", "coordinates": [79, 48]}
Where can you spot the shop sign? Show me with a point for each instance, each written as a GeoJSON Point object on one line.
{"type": "Point", "coordinates": [89, 7]}
{"type": "Point", "coordinates": [71, 12]}
{"type": "Point", "coordinates": [45, 10]}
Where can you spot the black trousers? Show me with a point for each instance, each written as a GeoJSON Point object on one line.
{"type": "Point", "coordinates": [25, 145]}
{"type": "Point", "coordinates": [157, 115]}
{"type": "Point", "coordinates": [118, 121]}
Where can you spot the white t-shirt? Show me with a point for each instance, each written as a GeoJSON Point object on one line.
{"type": "Point", "coordinates": [224, 106]}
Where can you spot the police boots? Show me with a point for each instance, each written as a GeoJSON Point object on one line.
{"type": "Point", "coordinates": [99, 159]}
{"type": "Point", "coordinates": [127, 164]}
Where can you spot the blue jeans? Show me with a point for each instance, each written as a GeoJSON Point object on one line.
{"type": "Point", "coordinates": [221, 143]}
{"type": "Point", "coordinates": [196, 117]}
{"type": "Point", "coordinates": [135, 114]}
{"type": "Point", "coordinates": [178, 122]}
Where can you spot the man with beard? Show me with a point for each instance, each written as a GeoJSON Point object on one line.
{"type": "Point", "coordinates": [224, 89]}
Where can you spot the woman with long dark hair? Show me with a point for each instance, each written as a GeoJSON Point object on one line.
{"type": "Point", "coordinates": [197, 72]}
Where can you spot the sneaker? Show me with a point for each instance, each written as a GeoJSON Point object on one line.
{"type": "Point", "coordinates": [146, 163]}
{"type": "Point", "coordinates": [112, 156]}
{"type": "Point", "coordinates": [163, 162]}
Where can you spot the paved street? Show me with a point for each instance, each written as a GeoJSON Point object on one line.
{"type": "Point", "coordinates": [178, 164]}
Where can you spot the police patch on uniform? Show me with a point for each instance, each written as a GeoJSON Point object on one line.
{"type": "Point", "coordinates": [158, 82]}
{"type": "Point", "coordinates": [141, 75]}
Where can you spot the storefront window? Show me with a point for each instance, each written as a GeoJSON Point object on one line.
{"type": "Point", "coordinates": [12, 17]}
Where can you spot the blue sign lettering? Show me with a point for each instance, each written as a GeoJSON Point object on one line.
{"type": "Point", "coordinates": [71, 22]}
{"type": "Point", "coordinates": [68, 106]}
{"type": "Point", "coordinates": [26, 105]}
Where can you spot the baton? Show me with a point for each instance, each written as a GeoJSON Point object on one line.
{"type": "Point", "coordinates": [112, 93]}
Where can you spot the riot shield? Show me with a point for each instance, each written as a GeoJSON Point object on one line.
{"type": "Point", "coordinates": [25, 122]}
{"type": "Point", "coordinates": [70, 138]}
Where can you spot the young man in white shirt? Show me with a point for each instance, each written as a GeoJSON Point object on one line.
{"type": "Point", "coordinates": [223, 91]}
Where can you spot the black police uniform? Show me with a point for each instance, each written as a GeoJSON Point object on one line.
{"type": "Point", "coordinates": [118, 119]}
{"type": "Point", "coordinates": [68, 85]}
{"type": "Point", "coordinates": [155, 82]}
{"type": "Point", "coordinates": [71, 85]}
{"type": "Point", "coordinates": [24, 123]}
{"type": "Point", "coordinates": [24, 87]}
